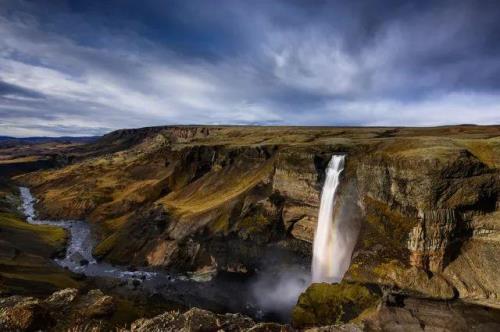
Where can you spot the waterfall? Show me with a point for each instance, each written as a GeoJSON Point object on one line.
{"type": "Point", "coordinates": [332, 248]}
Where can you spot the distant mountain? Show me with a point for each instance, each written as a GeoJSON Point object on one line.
{"type": "Point", "coordinates": [43, 139]}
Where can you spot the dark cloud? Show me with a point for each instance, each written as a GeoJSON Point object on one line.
{"type": "Point", "coordinates": [12, 90]}
{"type": "Point", "coordinates": [102, 65]}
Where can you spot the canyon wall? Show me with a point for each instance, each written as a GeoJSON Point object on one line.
{"type": "Point", "coordinates": [239, 199]}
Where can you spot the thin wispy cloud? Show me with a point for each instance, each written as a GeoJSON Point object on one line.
{"type": "Point", "coordinates": [85, 68]}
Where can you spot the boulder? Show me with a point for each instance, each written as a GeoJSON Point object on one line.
{"type": "Point", "coordinates": [336, 328]}
{"type": "Point", "coordinates": [193, 320]}
{"type": "Point", "coordinates": [23, 314]}
{"type": "Point", "coordinates": [62, 298]}
{"type": "Point", "coordinates": [95, 304]}
{"type": "Point", "coordinates": [63, 310]}
{"type": "Point", "coordinates": [196, 319]}
{"type": "Point", "coordinates": [413, 314]}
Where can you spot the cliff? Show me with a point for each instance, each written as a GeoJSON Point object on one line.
{"type": "Point", "coordinates": [236, 198]}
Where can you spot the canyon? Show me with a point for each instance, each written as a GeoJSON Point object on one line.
{"type": "Point", "coordinates": [211, 201]}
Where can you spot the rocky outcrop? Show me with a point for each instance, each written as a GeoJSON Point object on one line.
{"type": "Point", "coordinates": [70, 310]}
{"type": "Point", "coordinates": [197, 319]}
{"type": "Point", "coordinates": [297, 179]}
{"type": "Point", "coordinates": [23, 314]}
{"type": "Point", "coordinates": [63, 310]}
{"type": "Point", "coordinates": [425, 199]}
{"type": "Point", "coordinates": [365, 311]}
{"type": "Point", "coordinates": [439, 190]}
{"type": "Point", "coordinates": [472, 270]}
{"type": "Point", "coordinates": [425, 315]}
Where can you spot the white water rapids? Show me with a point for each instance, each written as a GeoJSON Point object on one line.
{"type": "Point", "coordinates": [332, 248]}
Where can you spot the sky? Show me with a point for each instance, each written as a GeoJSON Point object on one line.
{"type": "Point", "coordinates": [77, 68]}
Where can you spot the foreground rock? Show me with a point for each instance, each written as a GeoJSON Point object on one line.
{"type": "Point", "coordinates": [23, 314]}
{"type": "Point", "coordinates": [389, 314]}
{"type": "Point", "coordinates": [69, 310]}
{"type": "Point", "coordinates": [63, 310]}
{"type": "Point", "coordinates": [413, 314]}
{"type": "Point", "coordinates": [197, 319]}
{"type": "Point", "coordinates": [322, 308]}
{"type": "Point", "coordinates": [353, 307]}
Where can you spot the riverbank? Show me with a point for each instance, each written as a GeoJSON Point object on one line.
{"type": "Point", "coordinates": [212, 292]}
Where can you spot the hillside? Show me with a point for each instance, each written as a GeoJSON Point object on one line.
{"type": "Point", "coordinates": [186, 198]}
{"type": "Point", "coordinates": [28, 154]}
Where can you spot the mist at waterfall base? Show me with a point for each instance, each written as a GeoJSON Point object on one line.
{"type": "Point", "coordinates": [335, 237]}
{"type": "Point", "coordinates": [276, 292]}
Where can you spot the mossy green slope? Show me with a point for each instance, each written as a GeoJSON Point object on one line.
{"type": "Point", "coordinates": [26, 250]}
{"type": "Point", "coordinates": [329, 304]}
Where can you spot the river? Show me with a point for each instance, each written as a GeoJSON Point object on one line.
{"type": "Point", "coordinates": [226, 292]}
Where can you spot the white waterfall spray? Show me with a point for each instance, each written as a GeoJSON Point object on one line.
{"type": "Point", "coordinates": [332, 248]}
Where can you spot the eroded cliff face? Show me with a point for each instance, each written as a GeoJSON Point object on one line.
{"type": "Point", "coordinates": [235, 199]}
{"type": "Point", "coordinates": [439, 196]}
